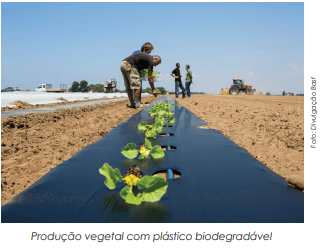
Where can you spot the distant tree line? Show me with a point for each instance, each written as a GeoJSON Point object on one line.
{"type": "Point", "coordinates": [290, 94]}
{"type": "Point", "coordinates": [84, 87]}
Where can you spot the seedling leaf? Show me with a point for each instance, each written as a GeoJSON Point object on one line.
{"type": "Point", "coordinates": [112, 176]}
{"type": "Point", "coordinates": [127, 194]}
{"type": "Point", "coordinates": [148, 144]}
{"type": "Point", "coordinates": [129, 151]}
{"type": "Point", "coordinates": [156, 187]}
{"type": "Point", "coordinates": [157, 152]}
{"type": "Point", "coordinates": [142, 125]}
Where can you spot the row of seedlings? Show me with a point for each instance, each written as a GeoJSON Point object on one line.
{"type": "Point", "coordinates": [154, 186]}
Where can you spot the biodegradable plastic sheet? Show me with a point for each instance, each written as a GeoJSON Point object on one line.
{"type": "Point", "coordinates": [220, 182]}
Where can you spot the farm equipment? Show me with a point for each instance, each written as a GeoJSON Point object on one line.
{"type": "Point", "coordinates": [49, 88]}
{"type": "Point", "coordinates": [110, 86]}
{"type": "Point", "coordinates": [224, 91]}
{"type": "Point", "coordinates": [239, 86]}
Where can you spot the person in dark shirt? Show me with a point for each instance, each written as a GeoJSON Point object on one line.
{"type": "Point", "coordinates": [176, 74]}
{"type": "Point", "coordinates": [146, 48]}
{"type": "Point", "coordinates": [131, 67]}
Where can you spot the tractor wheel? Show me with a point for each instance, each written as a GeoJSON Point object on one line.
{"type": "Point", "coordinates": [249, 91]}
{"type": "Point", "coordinates": [234, 90]}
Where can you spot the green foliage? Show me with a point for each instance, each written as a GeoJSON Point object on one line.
{"type": "Point", "coordinates": [83, 86]}
{"type": "Point", "coordinates": [161, 110]}
{"type": "Point", "coordinates": [129, 151]}
{"type": "Point", "coordinates": [143, 126]}
{"type": "Point", "coordinates": [75, 87]}
{"type": "Point", "coordinates": [284, 93]}
{"type": "Point", "coordinates": [148, 144]}
{"type": "Point", "coordinates": [157, 152]}
{"type": "Point", "coordinates": [147, 90]}
{"type": "Point", "coordinates": [127, 194]}
{"type": "Point", "coordinates": [112, 176]}
{"type": "Point", "coordinates": [155, 186]}
{"type": "Point", "coordinates": [144, 73]}
{"type": "Point", "coordinates": [162, 90]}
{"type": "Point", "coordinates": [96, 87]}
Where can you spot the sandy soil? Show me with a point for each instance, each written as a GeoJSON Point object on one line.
{"type": "Point", "coordinates": [270, 128]}
{"type": "Point", "coordinates": [33, 144]}
{"type": "Point", "coordinates": [23, 105]}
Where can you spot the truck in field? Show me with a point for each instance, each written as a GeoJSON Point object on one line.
{"type": "Point", "coordinates": [49, 88]}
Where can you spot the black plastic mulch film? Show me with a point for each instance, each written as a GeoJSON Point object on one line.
{"type": "Point", "coordinates": [219, 183]}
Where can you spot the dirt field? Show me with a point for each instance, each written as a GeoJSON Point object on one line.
{"type": "Point", "coordinates": [270, 128]}
{"type": "Point", "coordinates": [33, 144]}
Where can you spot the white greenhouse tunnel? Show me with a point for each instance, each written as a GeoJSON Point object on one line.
{"type": "Point", "coordinates": [33, 97]}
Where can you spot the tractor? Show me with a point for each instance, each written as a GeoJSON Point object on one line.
{"type": "Point", "coordinates": [239, 86]}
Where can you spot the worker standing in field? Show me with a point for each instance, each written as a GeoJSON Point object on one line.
{"type": "Point", "coordinates": [176, 74]}
{"type": "Point", "coordinates": [131, 67]}
{"type": "Point", "coordinates": [146, 48]}
{"type": "Point", "coordinates": [188, 80]}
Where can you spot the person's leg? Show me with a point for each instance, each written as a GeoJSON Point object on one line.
{"type": "Point", "coordinates": [183, 90]}
{"type": "Point", "coordinates": [140, 98]}
{"type": "Point", "coordinates": [135, 84]}
{"type": "Point", "coordinates": [130, 96]}
{"type": "Point", "coordinates": [137, 93]}
{"type": "Point", "coordinates": [126, 69]}
{"type": "Point", "coordinates": [188, 89]}
{"type": "Point", "coordinates": [176, 88]}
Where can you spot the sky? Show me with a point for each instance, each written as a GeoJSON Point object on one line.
{"type": "Point", "coordinates": [59, 43]}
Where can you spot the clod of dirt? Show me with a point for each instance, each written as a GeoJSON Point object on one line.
{"type": "Point", "coordinates": [134, 170]}
{"type": "Point", "coordinates": [296, 181]}
{"type": "Point", "coordinates": [62, 99]}
{"type": "Point", "coordinates": [21, 104]}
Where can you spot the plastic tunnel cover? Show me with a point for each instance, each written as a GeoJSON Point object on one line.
{"type": "Point", "coordinates": [221, 182]}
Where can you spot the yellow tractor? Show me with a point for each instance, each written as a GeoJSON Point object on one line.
{"type": "Point", "coordinates": [224, 91]}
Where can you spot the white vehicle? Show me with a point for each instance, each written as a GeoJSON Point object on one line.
{"type": "Point", "coordinates": [48, 88]}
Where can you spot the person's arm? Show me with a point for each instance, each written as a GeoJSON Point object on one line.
{"type": "Point", "coordinates": [173, 75]}
{"type": "Point", "coordinates": [150, 77]}
{"type": "Point", "coordinates": [191, 76]}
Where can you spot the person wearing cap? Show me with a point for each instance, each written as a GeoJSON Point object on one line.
{"type": "Point", "coordinates": [146, 48]}
{"type": "Point", "coordinates": [131, 67]}
{"type": "Point", "coordinates": [188, 80]}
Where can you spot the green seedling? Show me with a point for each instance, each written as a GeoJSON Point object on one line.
{"type": "Point", "coordinates": [155, 186]}
{"type": "Point", "coordinates": [146, 149]}
{"type": "Point", "coordinates": [144, 73]}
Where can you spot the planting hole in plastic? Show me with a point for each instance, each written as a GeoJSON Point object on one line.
{"type": "Point", "coordinates": [166, 134]}
{"type": "Point", "coordinates": [168, 148]}
{"type": "Point", "coordinates": [168, 174]}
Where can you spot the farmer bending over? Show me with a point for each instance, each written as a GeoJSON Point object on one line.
{"type": "Point", "coordinates": [146, 48]}
{"type": "Point", "coordinates": [131, 67]}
